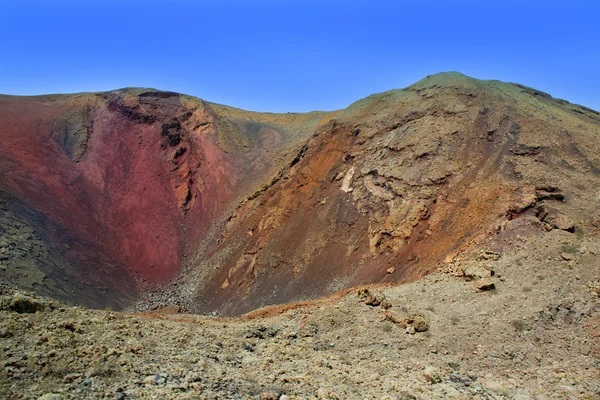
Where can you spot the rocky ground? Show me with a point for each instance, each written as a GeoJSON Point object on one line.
{"type": "Point", "coordinates": [520, 322]}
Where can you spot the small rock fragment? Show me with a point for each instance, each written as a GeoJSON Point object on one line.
{"type": "Point", "coordinates": [71, 377]}
{"type": "Point", "coordinates": [431, 375]}
{"type": "Point", "coordinates": [403, 395]}
{"type": "Point", "coordinates": [26, 304]}
{"type": "Point", "coordinates": [596, 220]}
{"type": "Point", "coordinates": [400, 320]}
{"type": "Point", "coordinates": [372, 301]}
{"type": "Point", "coordinates": [363, 293]}
{"type": "Point", "coordinates": [495, 387]}
{"type": "Point", "coordinates": [485, 284]}
{"type": "Point", "coordinates": [477, 270]}
{"type": "Point", "coordinates": [563, 222]}
{"type": "Point", "coordinates": [348, 180]}
{"type": "Point", "coordinates": [52, 396]}
{"type": "Point", "coordinates": [269, 394]}
{"type": "Point", "coordinates": [151, 380]}
{"type": "Point", "coordinates": [451, 393]}
{"type": "Point", "coordinates": [567, 256]}
{"type": "Point", "coordinates": [489, 255]}
{"type": "Point", "coordinates": [527, 200]}
{"type": "Point", "coordinates": [420, 324]}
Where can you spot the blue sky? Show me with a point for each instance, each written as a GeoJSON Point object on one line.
{"type": "Point", "coordinates": [288, 55]}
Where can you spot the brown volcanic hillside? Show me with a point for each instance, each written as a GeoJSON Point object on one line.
{"type": "Point", "coordinates": [398, 183]}
{"type": "Point", "coordinates": [106, 194]}
{"type": "Point", "coordinates": [103, 193]}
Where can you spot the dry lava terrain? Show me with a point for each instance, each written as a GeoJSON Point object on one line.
{"type": "Point", "coordinates": [439, 241]}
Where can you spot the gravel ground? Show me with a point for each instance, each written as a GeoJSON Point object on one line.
{"type": "Point", "coordinates": [534, 336]}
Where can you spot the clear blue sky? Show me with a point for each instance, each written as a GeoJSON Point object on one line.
{"type": "Point", "coordinates": [292, 55]}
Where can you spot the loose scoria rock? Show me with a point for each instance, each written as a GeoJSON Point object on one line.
{"type": "Point", "coordinates": [485, 284]}
{"type": "Point", "coordinates": [25, 304]}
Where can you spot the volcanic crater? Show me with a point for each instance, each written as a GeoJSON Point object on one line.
{"type": "Point", "coordinates": [149, 199]}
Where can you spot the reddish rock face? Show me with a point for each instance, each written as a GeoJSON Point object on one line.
{"type": "Point", "coordinates": [106, 195]}
{"type": "Point", "coordinates": [138, 177]}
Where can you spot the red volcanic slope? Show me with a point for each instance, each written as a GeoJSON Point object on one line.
{"type": "Point", "coordinates": [134, 177]}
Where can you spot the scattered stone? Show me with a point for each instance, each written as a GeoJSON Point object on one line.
{"type": "Point", "coordinates": [485, 284]}
{"type": "Point", "coordinates": [372, 301]}
{"type": "Point", "coordinates": [369, 299]}
{"type": "Point", "coordinates": [495, 387]}
{"type": "Point", "coordinates": [403, 395]}
{"type": "Point", "coordinates": [161, 379]}
{"type": "Point", "coordinates": [420, 324]}
{"type": "Point", "coordinates": [549, 193]}
{"type": "Point", "coordinates": [156, 380]}
{"type": "Point", "coordinates": [451, 393]}
{"type": "Point", "coordinates": [71, 377]}
{"type": "Point", "coordinates": [567, 256]}
{"type": "Point", "coordinates": [527, 200]}
{"type": "Point", "coordinates": [412, 323]}
{"type": "Point", "coordinates": [595, 220]}
{"type": "Point", "coordinates": [474, 270]}
{"type": "Point", "coordinates": [52, 396]}
{"type": "Point", "coordinates": [26, 304]}
{"type": "Point", "coordinates": [431, 375]}
{"type": "Point", "coordinates": [363, 293]}
{"type": "Point", "coordinates": [489, 255]}
{"type": "Point", "coordinates": [348, 180]}
{"type": "Point", "coordinates": [400, 320]}
{"type": "Point", "coordinates": [391, 270]}
{"type": "Point", "coordinates": [269, 394]}
{"type": "Point", "coordinates": [523, 150]}
{"type": "Point", "coordinates": [563, 222]}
